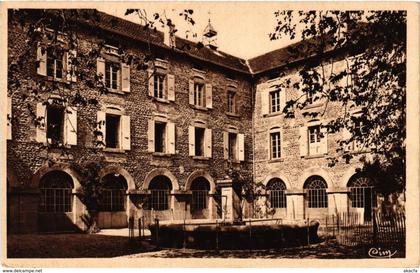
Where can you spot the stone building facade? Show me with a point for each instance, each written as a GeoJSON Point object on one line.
{"type": "Point", "coordinates": [172, 135]}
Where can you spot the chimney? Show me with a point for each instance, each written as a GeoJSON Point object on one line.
{"type": "Point", "coordinates": [169, 36]}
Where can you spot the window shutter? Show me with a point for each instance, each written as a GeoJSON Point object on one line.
{"type": "Point", "coordinates": [125, 133]}
{"type": "Point", "coordinates": [241, 147]}
{"type": "Point", "coordinates": [265, 101]}
{"type": "Point", "coordinates": [100, 68]}
{"type": "Point", "coordinates": [41, 131]}
{"type": "Point", "coordinates": [151, 136]}
{"type": "Point", "coordinates": [324, 141]}
{"type": "Point", "coordinates": [207, 143]}
{"type": "Point", "coordinates": [9, 118]}
{"type": "Point", "coordinates": [125, 77]}
{"type": "Point", "coordinates": [303, 141]}
{"type": "Point", "coordinates": [171, 86]}
{"type": "Point", "coordinates": [171, 138]}
{"type": "Point", "coordinates": [225, 145]}
{"type": "Point", "coordinates": [69, 67]}
{"type": "Point", "coordinates": [70, 125]}
{"type": "Point", "coordinates": [101, 127]}
{"type": "Point", "coordinates": [191, 91]}
{"type": "Point", "coordinates": [42, 59]}
{"type": "Point", "coordinates": [191, 140]}
{"type": "Point", "coordinates": [151, 82]}
{"type": "Point", "coordinates": [282, 99]}
{"type": "Point", "coordinates": [209, 96]}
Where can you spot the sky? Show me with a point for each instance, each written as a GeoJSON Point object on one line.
{"type": "Point", "coordinates": [242, 27]}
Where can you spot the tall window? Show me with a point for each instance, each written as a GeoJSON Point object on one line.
{"type": "Point", "coordinates": [316, 192]}
{"type": "Point", "coordinates": [55, 62]}
{"type": "Point", "coordinates": [277, 197]}
{"type": "Point", "coordinates": [112, 72]}
{"type": "Point", "coordinates": [112, 134]}
{"type": "Point", "coordinates": [275, 101]}
{"type": "Point", "coordinates": [199, 94]}
{"type": "Point", "coordinates": [231, 102]}
{"type": "Point", "coordinates": [113, 192]}
{"type": "Point", "coordinates": [160, 188]}
{"type": "Point", "coordinates": [199, 188]}
{"type": "Point", "coordinates": [159, 86]}
{"type": "Point", "coordinates": [160, 137]}
{"type": "Point", "coordinates": [199, 141]}
{"type": "Point", "coordinates": [275, 145]}
{"type": "Point", "coordinates": [232, 146]}
{"type": "Point", "coordinates": [56, 196]}
{"type": "Point", "coordinates": [55, 124]}
{"type": "Point", "coordinates": [314, 140]}
{"type": "Point", "coordinates": [361, 192]}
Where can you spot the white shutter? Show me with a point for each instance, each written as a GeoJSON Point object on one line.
{"type": "Point", "coordinates": [151, 136]}
{"type": "Point", "coordinates": [41, 131]}
{"type": "Point", "coordinates": [265, 101]}
{"type": "Point", "coordinates": [191, 91]}
{"type": "Point", "coordinates": [125, 133]}
{"type": "Point", "coordinates": [73, 54]}
{"type": "Point", "coordinates": [282, 99]}
{"type": "Point", "coordinates": [101, 127]}
{"type": "Point", "coordinates": [100, 68]}
{"type": "Point", "coordinates": [171, 137]}
{"type": "Point", "coordinates": [207, 143]}
{"type": "Point", "coordinates": [225, 145]}
{"type": "Point", "coordinates": [191, 140]}
{"type": "Point", "coordinates": [303, 141]}
{"type": "Point", "coordinates": [69, 68]}
{"type": "Point", "coordinates": [70, 125]}
{"type": "Point", "coordinates": [125, 77]}
{"type": "Point", "coordinates": [241, 147]}
{"type": "Point", "coordinates": [209, 96]}
{"type": "Point", "coordinates": [324, 141]}
{"type": "Point", "coordinates": [9, 118]}
{"type": "Point", "coordinates": [151, 83]}
{"type": "Point", "coordinates": [171, 86]}
{"type": "Point", "coordinates": [42, 59]}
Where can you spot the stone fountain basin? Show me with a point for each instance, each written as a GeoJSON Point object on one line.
{"type": "Point", "coordinates": [258, 235]}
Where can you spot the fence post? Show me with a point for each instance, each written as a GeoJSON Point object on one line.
{"type": "Point", "coordinates": [183, 234]}
{"type": "Point", "coordinates": [217, 235]}
{"type": "Point", "coordinates": [307, 230]}
{"type": "Point", "coordinates": [250, 235]}
{"type": "Point", "coordinates": [375, 229]}
{"type": "Point", "coordinates": [157, 232]}
{"type": "Point", "coordinates": [139, 227]}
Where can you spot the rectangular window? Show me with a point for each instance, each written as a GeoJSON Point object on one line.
{"type": "Point", "coordinates": [199, 94]}
{"type": "Point", "coordinates": [275, 145]}
{"type": "Point", "coordinates": [199, 141]}
{"type": "Point", "coordinates": [160, 199]}
{"type": "Point", "coordinates": [231, 102]}
{"type": "Point", "coordinates": [275, 101]}
{"type": "Point", "coordinates": [160, 137]}
{"type": "Point", "coordinates": [232, 146]}
{"type": "Point", "coordinates": [159, 81]}
{"type": "Point", "coordinates": [317, 198]}
{"type": "Point", "coordinates": [277, 199]}
{"type": "Point", "coordinates": [314, 140]}
{"type": "Point", "coordinates": [112, 72]}
{"type": "Point", "coordinates": [112, 133]}
{"type": "Point", "coordinates": [55, 124]}
{"type": "Point", "coordinates": [55, 63]}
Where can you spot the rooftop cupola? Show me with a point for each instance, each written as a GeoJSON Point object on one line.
{"type": "Point", "coordinates": [210, 36]}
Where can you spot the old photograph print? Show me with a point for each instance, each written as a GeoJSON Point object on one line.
{"type": "Point", "coordinates": [168, 131]}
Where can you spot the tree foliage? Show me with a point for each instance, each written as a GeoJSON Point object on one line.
{"type": "Point", "coordinates": [370, 87]}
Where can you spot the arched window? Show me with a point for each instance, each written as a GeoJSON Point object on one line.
{"type": "Point", "coordinates": [160, 187]}
{"type": "Point", "coordinates": [276, 188]}
{"type": "Point", "coordinates": [316, 193]}
{"type": "Point", "coordinates": [361, 191]}
{"type": "Point", "coordinates": [200, 188]}
{"type": "Point", "coordinates": [56, 187]}
{"type": "Point", "coordinates": [113, 192]}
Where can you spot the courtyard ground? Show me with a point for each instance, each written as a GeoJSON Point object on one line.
{"type": "Point", "coordinates": [115, 243]}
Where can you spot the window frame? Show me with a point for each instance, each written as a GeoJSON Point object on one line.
{"type": "Point", "coordinates": [316, 193]}
{"type": "Point", "coordinates": [117, 134]}
{"type": "Point", "coordinates": [316, 143]}
{"type": "Point", "coordinates": [276, 152]}
{"type": "Point", "coordinates": [199, 89]}
{"type": "Point", "coordinates": [62, 125]}
{"type": "Point", "coordinates": [49, 58]}
{"type": "Point", "coordinates": [109, 77]}
{"type": "Point", "coordinates": [231, 102]}
{"type": "Point", "coordinates": [274, 96]}
{"type": "Point", "coordinates": [277, 193]}
{"type": "Point", "coordinates": [233, 153]}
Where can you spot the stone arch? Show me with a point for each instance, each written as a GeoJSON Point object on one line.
{"type": "Point", "coordinates": [160, 171]}
{"type": "Point", "coordinates": [349, 174]}
{"type": "Point", "coordinates": [64, 167]}
{"type": "Point", "coordinates": [200, 173]}
{"type": "Point", "coordinates": [315, 171]}
{"type": "Point", "coordinates": [120, 170]}
{"type": "Point", "coordinates": [281, 176]}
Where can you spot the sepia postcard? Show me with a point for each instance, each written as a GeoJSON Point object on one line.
{"type": "Point", "coordinates": [210, 134]}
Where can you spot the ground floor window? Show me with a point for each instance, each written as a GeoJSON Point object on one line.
{"type": "Point", "coordinates": [160, 188]}
{"type": "Point", "coordinates": [56, 192]}
{"type": "Point", "coordinates": [276, 193]}
{"type": "Point", "coordinates": [199, 188]}
{"type": "Point", "coordinates": [316, 192]}
{"type": "Point", "coordinates": [113, 192]}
